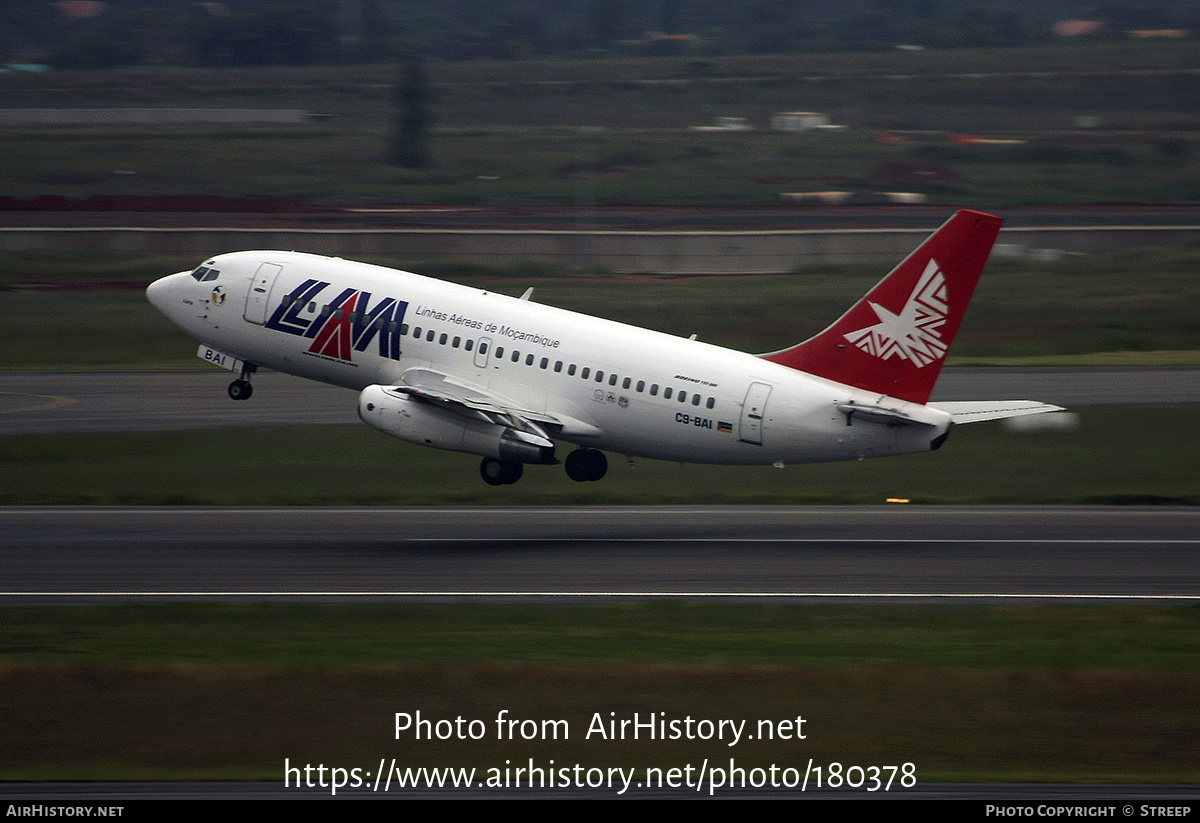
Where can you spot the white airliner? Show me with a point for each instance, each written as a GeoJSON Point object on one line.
{"type": "Point", "coordinates": [474, 371]}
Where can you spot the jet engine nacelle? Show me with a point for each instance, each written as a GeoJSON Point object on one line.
{"type": "Point", "coordinates": [453, 428]}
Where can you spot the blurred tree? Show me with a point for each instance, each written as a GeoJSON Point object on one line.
{"type": "Point", "coordinates": [374, 30]}
{"type": "Point", "coordinates": [411, 96]}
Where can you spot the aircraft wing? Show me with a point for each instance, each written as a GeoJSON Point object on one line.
{"type": "Point", "coordinates": [446, 392]}
{"type": "Point", "coordinates": [975, 411]}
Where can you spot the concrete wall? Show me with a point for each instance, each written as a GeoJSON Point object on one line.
{"type": "Point", "coordinates": [16, 118]}
{"type": "Point", "coordinates": [657, 252]}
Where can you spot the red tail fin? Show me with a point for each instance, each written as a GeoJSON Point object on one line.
{"type": "Point", "coordinates": [895, 339]}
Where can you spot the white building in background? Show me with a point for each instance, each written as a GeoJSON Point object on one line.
{"type": "Point", "coordinates": [799, 121]}
{"type": "Point", "coordinates": [727, 124]}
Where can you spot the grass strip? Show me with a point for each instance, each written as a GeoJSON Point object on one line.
{"type": "Point", "coordinates": [1013, 693]}
{"type": "Point", "coordinates": [1136, 455]}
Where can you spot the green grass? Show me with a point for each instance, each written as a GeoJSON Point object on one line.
{"type": "Point", "coordinates": [1150, 638]}
{"type": "Point", "coordinates": [1138, 301]}
{"type": "Point", "coordinates": [1017, 693]}
{"type": "Point", "coordinates": [1106, 459]}
{"type": "Point", "coordinates": [632, 165]}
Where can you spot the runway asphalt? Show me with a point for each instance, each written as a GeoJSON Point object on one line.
{"type": "Point", "coordinates": [925, 554]}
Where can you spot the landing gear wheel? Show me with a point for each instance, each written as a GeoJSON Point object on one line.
{"type": "Point", "coordinates": [584, 465]}
{"type": "Point", "coordinates": [500, 472]}
{"type": "Point", "coordinates": [240, 390]}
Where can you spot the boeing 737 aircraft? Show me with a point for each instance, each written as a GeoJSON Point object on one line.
{"type": "Point", "coordinates": [457, 368]}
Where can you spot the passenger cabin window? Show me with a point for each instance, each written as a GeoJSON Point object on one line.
{"type": "Point", "coordinates": [712, 401]}
{"type": "Point", "coordinates": [667, 393]}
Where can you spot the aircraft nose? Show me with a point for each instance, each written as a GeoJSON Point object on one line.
{"type": "Point", "coordinates": [160, 291]}
{"type": "Point", "coordinates": [156, 293]}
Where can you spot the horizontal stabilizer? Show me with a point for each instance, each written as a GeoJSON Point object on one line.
{"type": "Point", "coordinates": [886, 415]}
{"type": "Point", "coordinates": [975, 411]}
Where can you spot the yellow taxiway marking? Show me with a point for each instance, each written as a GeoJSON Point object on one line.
{"type": "Point", "coordinates": [48, 402]}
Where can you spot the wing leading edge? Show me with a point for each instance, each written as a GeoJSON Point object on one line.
{"type": "Point", "coordinates": [434, 387]}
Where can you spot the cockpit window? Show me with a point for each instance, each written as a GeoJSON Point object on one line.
{"type": "Point", "coordinates": [204, 274]}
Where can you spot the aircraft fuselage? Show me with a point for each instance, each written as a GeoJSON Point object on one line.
{"type": "Point", "coordinates": [604, 385]}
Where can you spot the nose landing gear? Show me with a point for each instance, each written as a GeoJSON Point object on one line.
{"type": "Point", "coordinates": [241, 389]}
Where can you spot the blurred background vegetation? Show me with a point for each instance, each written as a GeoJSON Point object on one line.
{"type": "Point", "coordinates": [586, 102]}
{"type": "Point", "coordinates": [80, 34]}
{"type": "Point", "coordinates": [1043, 124]}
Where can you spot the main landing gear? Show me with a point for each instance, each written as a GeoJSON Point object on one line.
{"type": "Point", "coordinates": [500, 472]}
{"type": "Point", "coordinates": [585, 465]}
{"type": "Point", "coordinates": [582, 465]}
{"type": "Point", "coordinates": [241, 389]}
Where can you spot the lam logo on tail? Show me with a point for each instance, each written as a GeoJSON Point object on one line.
{"type": "Point", "coordinates": [915, 333]}
{"type": "Point", "coordinates": [894, 340]}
